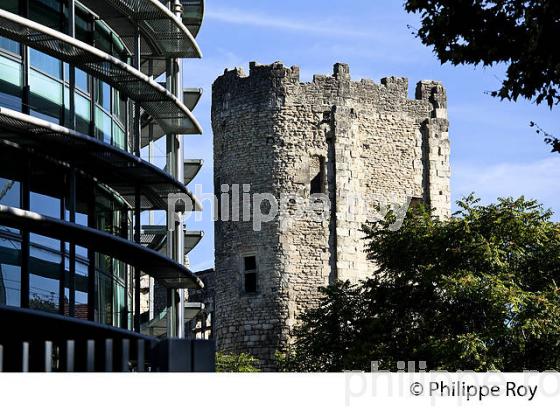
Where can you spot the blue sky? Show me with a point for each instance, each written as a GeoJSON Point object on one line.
{"type": "Point", "coordinates": [494, 152]}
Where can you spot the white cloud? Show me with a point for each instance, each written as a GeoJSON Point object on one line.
{"type": "Point", "coordinates": [538, 180]}
{"type": "Point", "coordinates": [323, 28]}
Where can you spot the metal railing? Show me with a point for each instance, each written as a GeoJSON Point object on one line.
{"type": "Point", "coordinates": [109, 355]}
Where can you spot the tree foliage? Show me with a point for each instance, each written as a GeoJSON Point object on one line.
{"type": "Point", "coordinates": [236, 363]}
{"type": "Point", "coordinates": [522, 34]}
{"type": "Point", "coordinates": [476, 292]}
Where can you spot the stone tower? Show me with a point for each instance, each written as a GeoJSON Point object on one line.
{"type": "Point", "coordinates": [351, 142]}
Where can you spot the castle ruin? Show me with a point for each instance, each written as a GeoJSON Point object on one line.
{"type": "Point", "coordinates": [332, 136]}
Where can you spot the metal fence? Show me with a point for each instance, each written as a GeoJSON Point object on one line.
{"type": "Point", "coordinates": [109, 355]}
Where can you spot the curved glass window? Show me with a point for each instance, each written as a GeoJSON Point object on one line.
{"type": "Point", "coordinates": [47, 12]}
{"type": "Point", "coordinates": [110, 297]}
{"type": "Point", "coordinates": [45, 272]}
{"type": "Point", "coordinates": [10, 5]}
{"type": "Point", "coordinates": [103, 125]}
{"type": "Point", "coordinates": [81, 283]}
{"type": "Point", "coordinates": [82, 81]}
{"type": "Point", "coordinates": [10, 192]}
{"type": "Point", "coordinates": [45, 96]}
{"type": "Point", "coordinates": [10, 45]}
{"type": "Point", "coordinates": [50, 92]}
{"type": "Point", "coordinates": [119, 137]}
{"type": "Point", "coordinates": [59, 279]}
{"type": "Point", "coordinates": [119, 106]}
{"type": "Point", "coordinates": [11, 80]}
{"type": "Point", "coordinates": [45, 63]}
{"type": "Point", "coordinates": [105, 39]}
{"type": "Point", "coordinates": [83, 25]}
{"type": "Point", "coordinates": [83, 113]}
{"type": "Point", "coordinates": [103, 95]}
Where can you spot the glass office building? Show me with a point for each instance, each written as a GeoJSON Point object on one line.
{"type": "Point", "coordinates": [85, 87]}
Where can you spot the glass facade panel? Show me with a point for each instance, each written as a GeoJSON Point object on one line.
{"type": "Point", "coordinates": [119, 107]}
{"type": "Point", "coordinates": [81, 283]}
{"type": "Point", "coordinates": [103, 95]}
{"type": "Point", "coordinates": [45, 63]}
{"type": "Point", "coordinates": [10, 195]}
{"type": "Point", "coordinates": [103, 298]}
{"type": "Point", "coordinates": [45, 205]}
{"type": "Point", "coordinates": [10, 192]}
{"type": "Point", "coordinates": [102, 125]}
{"type": "Point", "coordinates": [10, 270]}
{"type": "Point", "coordinates": [47, 13]}
{"type": "Point", "coordinates": [83, 107]}
{"type": "Point", "coordinates": [49, 95]}
{"type": "Point", "coordinates": [119, 303]}
{"type": "Point", "coordinates": [110, 300]}
{"type": "Point", "coordinates": [119, 137]}
{"type": "Point", "coordinates": [9, 45]}
{"type": "Point", "coordinates": [81, 219]}
{"type": "Point", "coordinates": [66, 71]}
{"type": "Point", "coordinates": [102, 37]}
{"type": "Point", "coordinates": [45, 271]}
{"type": "Point", "coordinates": [83, 27]}
{"type": "Point", "coordinates": [10, 5]}
{"type": "Point", "coordinates": [45, 87]}
{"type": "Point", "coordinates": [82, 80]}
{"type": "Point", "coordinates": [11, 79]}
{"type": "Point", "coordinates": [83, 114]}
{"type": "Point", "coordinates": [46, 96]}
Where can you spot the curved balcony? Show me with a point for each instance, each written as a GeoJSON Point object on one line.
{"type": "Point", "coordinates": [118, 169]}
{"type": "Point", "coordinates": [192, 168]}
{"type": "Point", "coordinates": [193, 13]}
{"type": "Point", "coordinates": [167, 110]}
{"type": "Point", "coordinates": [151, 130]}
{"type": "Point", "coordinates": [166, 271]}
{"type": "Point", "coordinates": [164, 34]}
{"type": "Point", "coordinates": [155, 237]}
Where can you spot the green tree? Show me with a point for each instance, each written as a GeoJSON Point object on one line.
{"type": "Point", "coordinates": [475, 292]}
{"type": "Point", "coordinates": [521, 34]}
{"type": "Point", "coordinates": [236, 363]}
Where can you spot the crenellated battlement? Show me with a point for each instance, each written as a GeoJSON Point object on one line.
{"type": "Point", "coordinates": [278, 75]}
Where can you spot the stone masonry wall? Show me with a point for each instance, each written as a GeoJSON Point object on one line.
{"type": "Point", "coordinates": [369, 143]}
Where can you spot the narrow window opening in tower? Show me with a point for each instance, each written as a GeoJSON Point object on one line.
{"type": "Point", "coordinates": [317, 176]}
{"type": "Point", "coordinates": [250, 274]}
{"type": "Point", "coordinates": [416, 202]}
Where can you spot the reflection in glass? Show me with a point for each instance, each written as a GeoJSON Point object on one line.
{"type": "Point", "coordinates": [46, 95]}
{"type": "Point", "coordinates": [10, 268]}
{"type": "Point", "coordinates": [102, 125]}
{"type": "Point", "coordinates": [103, 312]}
{"type": "Point", "coordinates": [10, 195]}
{"type": "Point", "coordinates": [45, 205]}
{"type": "Point", "coordinates": [11, 79]}
{"type": "Point", "coordinates": [110, 301]}
{"type": "Point", "coordinates": [82, 81]}
{"type": "Point", "coordinates": [47, 13]}
{"type": "Point", "coordinates": [81, 283]}
{"type": "Point", "coordinates": [9, 45]}
{"type": "Point", "coordinates": [45, 87]}
{"type": "Point", "coordinates": [45, 63]}
{"type": "Point", "coordinates": [10, 192]}
{"type": "Point", "coordinates": [119, 137]}
{"type": "Point", "coordinates": [103, 95]}
{"type": "Point", "coordinates": [83, 114]}
{"type": "Point", "coordinates": [45, 271]}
